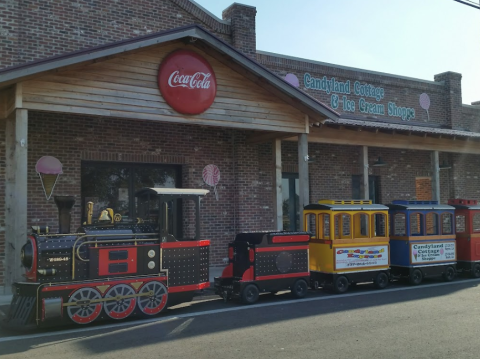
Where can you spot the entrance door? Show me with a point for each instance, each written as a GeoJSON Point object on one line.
{"type": "Point", "coordinates": [290, 202]}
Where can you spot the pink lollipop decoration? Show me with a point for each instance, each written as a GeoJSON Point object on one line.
{"type": "Point", "coordinates": [211, 176]}
{"type": "Point", "coordinates": [425, 103]}
{"type": "Point", "coordinates": [292, 79]}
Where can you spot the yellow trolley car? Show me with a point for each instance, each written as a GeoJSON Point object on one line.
{"type": "Point", "coordinates": [349, 243]}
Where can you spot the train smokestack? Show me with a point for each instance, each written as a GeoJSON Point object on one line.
{"type": "Point", "coordinates": [64, 205]}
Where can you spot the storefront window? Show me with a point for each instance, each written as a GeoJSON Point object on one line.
{"type": "Point", "coordinates": [113, 185]}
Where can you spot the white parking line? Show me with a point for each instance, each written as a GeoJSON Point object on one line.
{"type": "Point", "coordinates": [225, 310]}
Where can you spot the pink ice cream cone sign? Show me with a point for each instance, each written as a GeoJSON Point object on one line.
{"type": "Point", "coordinates": [48, 169]}
{"type": "Point", "coordinates": [211, 176]}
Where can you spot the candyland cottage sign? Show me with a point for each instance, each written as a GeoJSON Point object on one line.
{"type": "Point", "coordinates": [432, 252]}
{"type": "Point", "coordinates": [361, 257]}
{"type": "Point", "coordinates": [187, 82]}
{"type": "Point", "coordinates": [369, 102]}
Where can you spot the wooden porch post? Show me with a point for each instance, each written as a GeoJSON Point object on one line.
{"type": "Point", "coordinates": [304, 196]}
{"type": "Point", "coordinates": [277, 153]}
{"type": "Point", "coordinates": [435, 177]}
{"type": "Point", "coordinates": [16, 137]}
{"type": "Point", "coordinates": [364, 164]}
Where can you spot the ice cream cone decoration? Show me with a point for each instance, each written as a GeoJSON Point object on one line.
{"type": "Point", "coordinates": [48, 169]}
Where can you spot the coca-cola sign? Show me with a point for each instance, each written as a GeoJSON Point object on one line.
{"type": "Point", "coordinates": [187, 82]}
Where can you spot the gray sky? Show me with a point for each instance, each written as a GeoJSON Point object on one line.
{"type": "Point", "coordinates": [414, 38]}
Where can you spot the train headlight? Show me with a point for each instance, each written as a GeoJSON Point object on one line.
{"type": "Point", "coordinates": [27, 255]}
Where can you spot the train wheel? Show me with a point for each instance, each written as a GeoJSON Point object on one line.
{"type": "Point", "coordinates": [381, 281]}
{"type": "Point", "coordinates": [250, 294]}
{"type": "Point", "coordinates": [155, 301]}
{"type": "Point", "coordinates": [416, 277]}
{"type": "Point", "coordinates": [476, 270]}
{"type": "Point", "coordinates": [82, 310]}
{"type": "Point", "coordinates": [119, 307]}
{"type": "Point", "coordinates": [299, 289]}
{"type": "Point", "coordinates": [449, 274]}
{"type": "Point", "coordinates": [340, 285]}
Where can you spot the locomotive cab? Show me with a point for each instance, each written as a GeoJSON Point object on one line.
{"type": "Point", "coordinates": [265, 262]}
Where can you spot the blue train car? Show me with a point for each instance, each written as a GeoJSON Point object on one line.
{"type": "Point", "coordinates": [422, 240]}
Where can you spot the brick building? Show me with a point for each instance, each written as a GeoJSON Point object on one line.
{"type": "Point", "coordinates": [78, 81]}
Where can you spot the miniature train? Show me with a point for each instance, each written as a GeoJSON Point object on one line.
{"type": "Point", "coordinates": [113, 269]}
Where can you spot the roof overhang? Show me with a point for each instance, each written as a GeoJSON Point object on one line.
{"type": "Point", "coordinates": [195, 35]}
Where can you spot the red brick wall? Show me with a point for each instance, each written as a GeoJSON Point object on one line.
{"type": "Point", "coordinates": [423, 188]}
{"type": "Point", "coordinates": [245, 188]}
{"type": "Point", "coordinates": [39, 29]}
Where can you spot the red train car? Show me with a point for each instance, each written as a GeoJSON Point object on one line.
{"type": "Point", "coordinates": [112, 269]}
{"type": "Point", "coordinates": [467, 223]}
{"type": "Point", "coordinates": [265, 262]}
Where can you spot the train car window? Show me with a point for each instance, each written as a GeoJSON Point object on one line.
{"type": "Point", "coordinates": [361, 228]}
{"type": "Point", "coordinates": [476, 222]}
{"type": "Point", "coordinates": [343, 226]}
{"type": "Point", "coordinates": [399, 224]}
{"type": "Point", "coordinates": [325, 219]}
{"type": "Point", "coordinates": [447, 223]}
{"type": "Point", "coordinates": [310, 224]}
{"type": "Point", "coordinates": [431, 221]}
{"type": "Point", "coordinates": [416, 224]}
{"type": "Point", "coordinates": [460, 224]}
{"type": "Point", "coordinates": [379, 225]}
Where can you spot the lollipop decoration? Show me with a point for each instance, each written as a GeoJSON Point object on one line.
{"type": "Point", "coordinates": [425, 103]}
{"type": "Point", "coordinates": [292, 79]}
{"type": "Point", "coordinates": [48, 169]}
{"type": "Point", "coordinates": [211, 176]}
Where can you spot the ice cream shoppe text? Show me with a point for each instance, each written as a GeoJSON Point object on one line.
{"type": "Point", "coordinates": [368, 103]}
{"type": "Point", "coordinates": [432, 252]}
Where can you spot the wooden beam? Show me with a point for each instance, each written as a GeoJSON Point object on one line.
{"type": "Point", "coordinates": [334, 136]}
{"type": "Point", "coordinates": [16, 136]}
{"type": "Point", "coordinates": [303, 183]}
{"type": "Point", "coordinates": [265, 137]}
{"type": "Point", "coordinates": [278, 200]}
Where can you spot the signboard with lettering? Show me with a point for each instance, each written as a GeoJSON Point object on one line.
{"type": "Point", "coordinates": [432, 252]}
{"type": "Point", "coordinates": [368, 103]}
{"type": "Point", "coordinates": [361, 257]}
{"type": "Point", "coordinates": [187, 82]}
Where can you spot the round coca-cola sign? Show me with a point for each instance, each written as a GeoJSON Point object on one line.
{"type": "Point", "coordinates": [187, 82]}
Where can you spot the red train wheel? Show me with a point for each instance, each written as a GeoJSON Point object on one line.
{"type": "Point", "coordinates": [119, 307]}
{"type": "Point", "coordinates": [156, 299]}
{"type": "Point", "coordinates": [83, 311]}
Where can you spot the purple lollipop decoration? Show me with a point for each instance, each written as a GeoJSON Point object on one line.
{"type": "Point", "coordinates": [292, 79]}
{"type": "Point", "coordinates": [425, 103]}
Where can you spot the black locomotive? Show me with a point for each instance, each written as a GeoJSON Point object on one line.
{"type": "Point", "coordinates": [112, 269]}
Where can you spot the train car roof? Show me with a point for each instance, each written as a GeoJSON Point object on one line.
{"type": "Point", "coordinates": [171, 191]}
{"type": "Point", "coordinates": [420, 207]}
{"type": "Point", "coordinates": [466, 206]}
{"type": "Point", "coordinates": [346, 207]}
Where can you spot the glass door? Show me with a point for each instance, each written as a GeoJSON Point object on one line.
{"type": "Point", "coordinates": [290, 202]}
